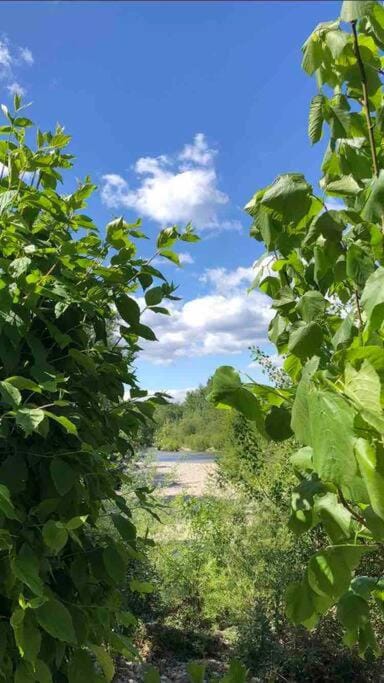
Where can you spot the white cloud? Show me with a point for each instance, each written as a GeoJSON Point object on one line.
{"type": "Point", "coordinates": [26, 55]}
{"type": "Point", "coordinates": [5, 59]}
{"type": "Point", "coordinates": [11, 59]}
{"type": "Point", "coordinates": [185, 257]}
{"type": "Point", "coordinates": [178, 395]}
{"type": "Point", "coordinates": [224, 280]}
{"type": "Point", "coordinates": [173, 189]}
{"type": "Point", "coordinates": [224, 321]}
{"type": "Point", "coordinates": [15, 89]}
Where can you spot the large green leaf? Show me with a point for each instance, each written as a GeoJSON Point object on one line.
{"type": "Point", "coordinates": [6, 506]}
{"type": "Point", "coordinates": [105, 661]}
{"type": "Point", "coordinates": [56, 620]}
{"type": "Point", "coordinates": [27, 635]}
{"type": "Point", "coordinates": [373, 209]}
{"type": "Point", "coordinates": [305, 341]}
{"type": "Point", "coordinates": [63, 475]}
{"type": "Point", "coordinates": [372, 298]}
{"type": "Point", "coordinates": [26, 569]}
{"type": "Point", "coordinates": [371, 464]}
{"type": "Point", "coordinates": [311, 305]}
{"type": "Point", "coordinates": [300, 422]}
{"type": "Point", "coordinates": [29, 419]}
{"type": "Point", "coordinates": [364, 389]}
{"type": "Point", "coordinates": [128, 308]}
{"type": "Point", "coordinates": [332, 437]}
{"type": "Point", "coordinates": [227, 390]}
{"type": "Point", "coordinates": [55, 535]}
{"type": "Point", "coordinates": [336, 519]}
{"type": "Point", "coordinates": [352, 10]}
{"type": "Point", "coordinates": [290, 195]}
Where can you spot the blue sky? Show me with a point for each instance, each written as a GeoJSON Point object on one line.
{"type": "Point", "coordinates": [178, 110]}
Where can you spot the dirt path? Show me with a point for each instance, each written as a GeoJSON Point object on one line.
{"type": "Point", "coordinates": [184, 477]}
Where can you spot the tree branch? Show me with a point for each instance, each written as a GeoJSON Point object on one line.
{"type": "Point", "coordinates": [364, 86]}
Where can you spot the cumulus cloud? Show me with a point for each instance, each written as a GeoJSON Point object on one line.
{"type": "Point", "coordinates": [223, 321]}
{"type": "Point", "coordinates": [16, 89]}
{"type": "Point", "coordinates": [11, 59]}
{"type": "Point", "coordinates": [26, 55]}
{"type": "Point", "coordinates": [185, 258]}
{"type": "Point", "coordinates": [224, 280]}
{"type": "Point", "coordinates": [173, 189]}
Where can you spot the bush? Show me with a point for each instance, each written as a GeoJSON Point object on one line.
{"type": "Point", "coordinates": [65, 426]}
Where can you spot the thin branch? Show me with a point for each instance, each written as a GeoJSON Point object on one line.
{"type": "Point", "coordinates": [350, 509]}
{"type": "Point", "coordinates": [364, 86]}
{"type": "Point", "coordinates": [361, 324]}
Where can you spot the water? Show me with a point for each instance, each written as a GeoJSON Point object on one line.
{"type": "Point", "coordinates": [183, 456]}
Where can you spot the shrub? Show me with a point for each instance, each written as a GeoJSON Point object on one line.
{"type": "Point", "coordinates": [65, 426]}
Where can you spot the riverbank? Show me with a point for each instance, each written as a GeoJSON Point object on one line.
{"type": "Point", "coordinates": [183, 477]}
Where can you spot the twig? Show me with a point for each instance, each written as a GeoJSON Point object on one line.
{"type": "Point", "coordinates": [350, 509]}
{"type": "Point", "coordinates": [364, 86]}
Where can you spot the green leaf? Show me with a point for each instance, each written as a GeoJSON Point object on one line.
{"type": "Point", "coordinates": [373, 209]}
{"type": "Point", "coordinates": [6, 506]}
{"type": "Point", "coordinates": [315, 122]}
{"type": "Point", "coordinates": [328, 573]}
{"type": "Point", "coordinates": [278, 423]}
{"type": "Point", "coordinates": [29, 419]}
{"type": "Point", "coordinates": [344, 332]}
{"type": "Point", "coordinates": [336, 519]}
{"type": "Point", "coordinates": [81, 668]}
{"type": "Point", "coordinates": [114, 564]}
{"type": "Point", "coordinates": [105, 660]}
{"type": "Point", "coordinates": [129, 309]}
{"type": "Point", "coordinates": [7, 198]}
{"type": "Point", "coordinates": [154, 296]}
{"type": "Point", "coordinates": [43, 674]}
{"type": "Point", "coordinates": [69, 427]}
{"type": "Point", "coordinates": [19, 266]}
{"type": "Point", "coordinates": [352, 10]}
{"type": "Point", "coordinates": [290, 195]}
{"type": "Point", "coordinates": [152, 675]}
{"type": "Point", "coordinates": [76, 522]}
{"type": "Point", "coordinates": [55, 619]}
{"type": "Point", "coordinates": [305, 341]}
{"type": "Point", "coordinates": [141, 586]}
{"type": "Point", "coordinates": [371, 465]}
{"type": "Point", "coordinates": [55, 535]}
{"type": "Point", "coordinates": [300, 422]}
{"type": "Point", "coordinates": [145, 332]}
{"type": "Point", "coordinates": [125, 527]}
{"type": "Point", "coordinates": [237, 673]}
{"type": "Point", "coordinates": [364, 389]}
{"type": "Point", "coordinates": [227, 390]}
{"type": "Point", "coordinates": [10, 394]}
{"type": "Point", "coordinates": [171, 256]}
{"type": "Point", "coordinates": [26, 569]}
{"type": "Point", "coordinates": [311, 305]}
{"type": "Point", "coordinates": [299, 603]}
{"type": "Point", "coordinates": [332, 437]}
{"type": "Point", "coordinates": [27, 635]}
{"type": "Point", "coordinates": [372, 298]}
{"type": "Point", "coordinates": [63, 476]}
{"type": "Point", "coordinates": [196, 672]}
{"type": "Point", "coordinates": [24, 383]}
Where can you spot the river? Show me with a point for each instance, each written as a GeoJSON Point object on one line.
{"type": "Point", "coordinates": [183, 456]}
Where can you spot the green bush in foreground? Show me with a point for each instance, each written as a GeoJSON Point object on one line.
{"type": "Point", "coordinates": [64, 424]}
{"type": "Point", "coordinates": [325, 277]}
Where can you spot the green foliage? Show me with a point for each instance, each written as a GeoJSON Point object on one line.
{"type": "Point", "coordinates": [65, 361]}
{"type": "Point", "coordinates": [193, 424]}
{"type": "Point", "coordinates": [327, 291]}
